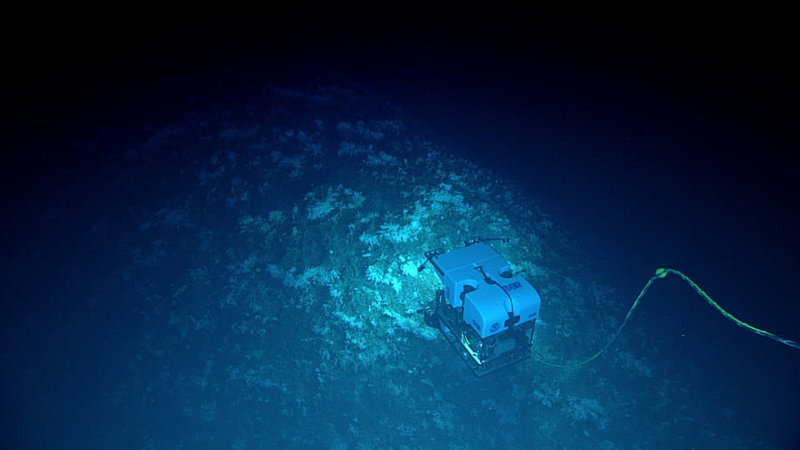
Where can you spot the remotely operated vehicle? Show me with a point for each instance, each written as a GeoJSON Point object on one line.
{"type": "Point", "coordinates": [485, 312]}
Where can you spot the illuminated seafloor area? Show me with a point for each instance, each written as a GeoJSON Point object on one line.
{"type": "Point", "coordinates": [243, 274]}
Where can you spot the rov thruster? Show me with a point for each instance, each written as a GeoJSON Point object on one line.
{"type": "Point", "coordinates": [485, 312]}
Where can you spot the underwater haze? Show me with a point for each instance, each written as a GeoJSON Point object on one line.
{"type": "Point", "coordinates": [212, 234]}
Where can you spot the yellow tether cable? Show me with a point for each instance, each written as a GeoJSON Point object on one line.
{"type": "Point", "coordinates": [662, 273]}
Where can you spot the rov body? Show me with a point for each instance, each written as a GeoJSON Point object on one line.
{"type": "Point", "coordinates": [485, 312]}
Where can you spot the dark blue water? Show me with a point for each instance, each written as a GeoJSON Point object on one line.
{"type": "Point", "coordinates": [211, 234]}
